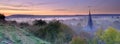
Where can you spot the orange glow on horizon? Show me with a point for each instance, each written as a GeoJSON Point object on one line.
{"type": "Point", "coordinates": [58, 7]}
{"type": "Point", "coordinates": [11, 12]}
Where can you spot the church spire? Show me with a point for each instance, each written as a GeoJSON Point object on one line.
{"type": "Point", "coordinates": [90, 22]}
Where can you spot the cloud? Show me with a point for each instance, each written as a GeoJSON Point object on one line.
{"type": "Point", "coordinates": [13, 5]}
{"type": "Point", "coordinates": [18, 9]}
{"type": "Point", "coordinates": [41, 3]}
{"type": "Point", "coordinates": [26, 4]}
{"type": "Point", "coordinates": [61, 10]}
{"type": "Point", "coordinates": [67, 10]}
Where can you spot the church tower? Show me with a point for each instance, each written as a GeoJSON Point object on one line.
{"type": "Point", "coordinates": [90, 22]}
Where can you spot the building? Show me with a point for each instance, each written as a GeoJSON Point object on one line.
{"type": "Point", "coordinates": [90, 21]}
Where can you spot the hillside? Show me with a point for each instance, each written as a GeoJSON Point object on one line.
{"type": "Point", "coordinates": [13, 35]}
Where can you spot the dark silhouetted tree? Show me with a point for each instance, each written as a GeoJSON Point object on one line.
{"type": "Point", "coordinates": [39, 22]}
{"type": "Point", "coordinates": [2, 17]}
{"type": "Point", "coordinates": [24, 25]}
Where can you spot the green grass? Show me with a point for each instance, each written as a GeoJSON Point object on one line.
{"type": "Point", "coordinates": [15, 35]}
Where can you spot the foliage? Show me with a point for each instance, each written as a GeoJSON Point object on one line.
{"type": "Point", "coordinates": [10, 34]}
{"type": "Point", "coordinates": [39, 22]}
{"type": "Point", "coordinates": [97, 39]}
{"type": "Point", "coordinates": [2, 17]}
{"type": "Point", "coordinates": [55, 32]}
{"type": "Point", "coordinates": [78, 40]}
{"type": "Point", "coordinates": [24, 25]}
{"type": "Point", "coordinates": [110, 36]}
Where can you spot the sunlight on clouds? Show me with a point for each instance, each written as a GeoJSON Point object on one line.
{"type": "Point", "coordinates": [43, 12]}
{"type": "Point", "coordinates": [59, 7]}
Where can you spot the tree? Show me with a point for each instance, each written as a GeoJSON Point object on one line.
{"type": "Point", "coordinates": [39, 22]}
{"type": "Point", "coordinates": [55, 32]}
{"type": "Point", "coordinates": [24, 25]}
{"type": "Point", "coordinates": [50, 31]}
{"type": "Point", "coordinates": [78, 40]}
{"type": "Point", "coordinates": [97, 38]}
{"type": "Point", "coordinates": [2, 17]}
{"type": "Point", "coordinates": [111, 36]}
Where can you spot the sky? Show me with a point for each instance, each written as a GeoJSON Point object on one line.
{"type": "Point", "coordinates": [59, 7]}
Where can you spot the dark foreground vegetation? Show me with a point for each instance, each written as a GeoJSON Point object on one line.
{"type": "Point", "coordinates": [54, 32]}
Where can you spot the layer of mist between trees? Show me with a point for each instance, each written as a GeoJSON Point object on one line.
{"type": "Point", "coordinates": [59, 33]}
{"type": "Point", "coordinates": [54, 31]}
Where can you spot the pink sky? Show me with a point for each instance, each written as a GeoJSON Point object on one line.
{"type": "Point", "coordinates": [59, 7]}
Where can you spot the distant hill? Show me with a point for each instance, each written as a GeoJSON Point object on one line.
{"type": "Point", "coordinates": [106, 14]}
{"type": "Point", "coordinates": [43, 16]}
